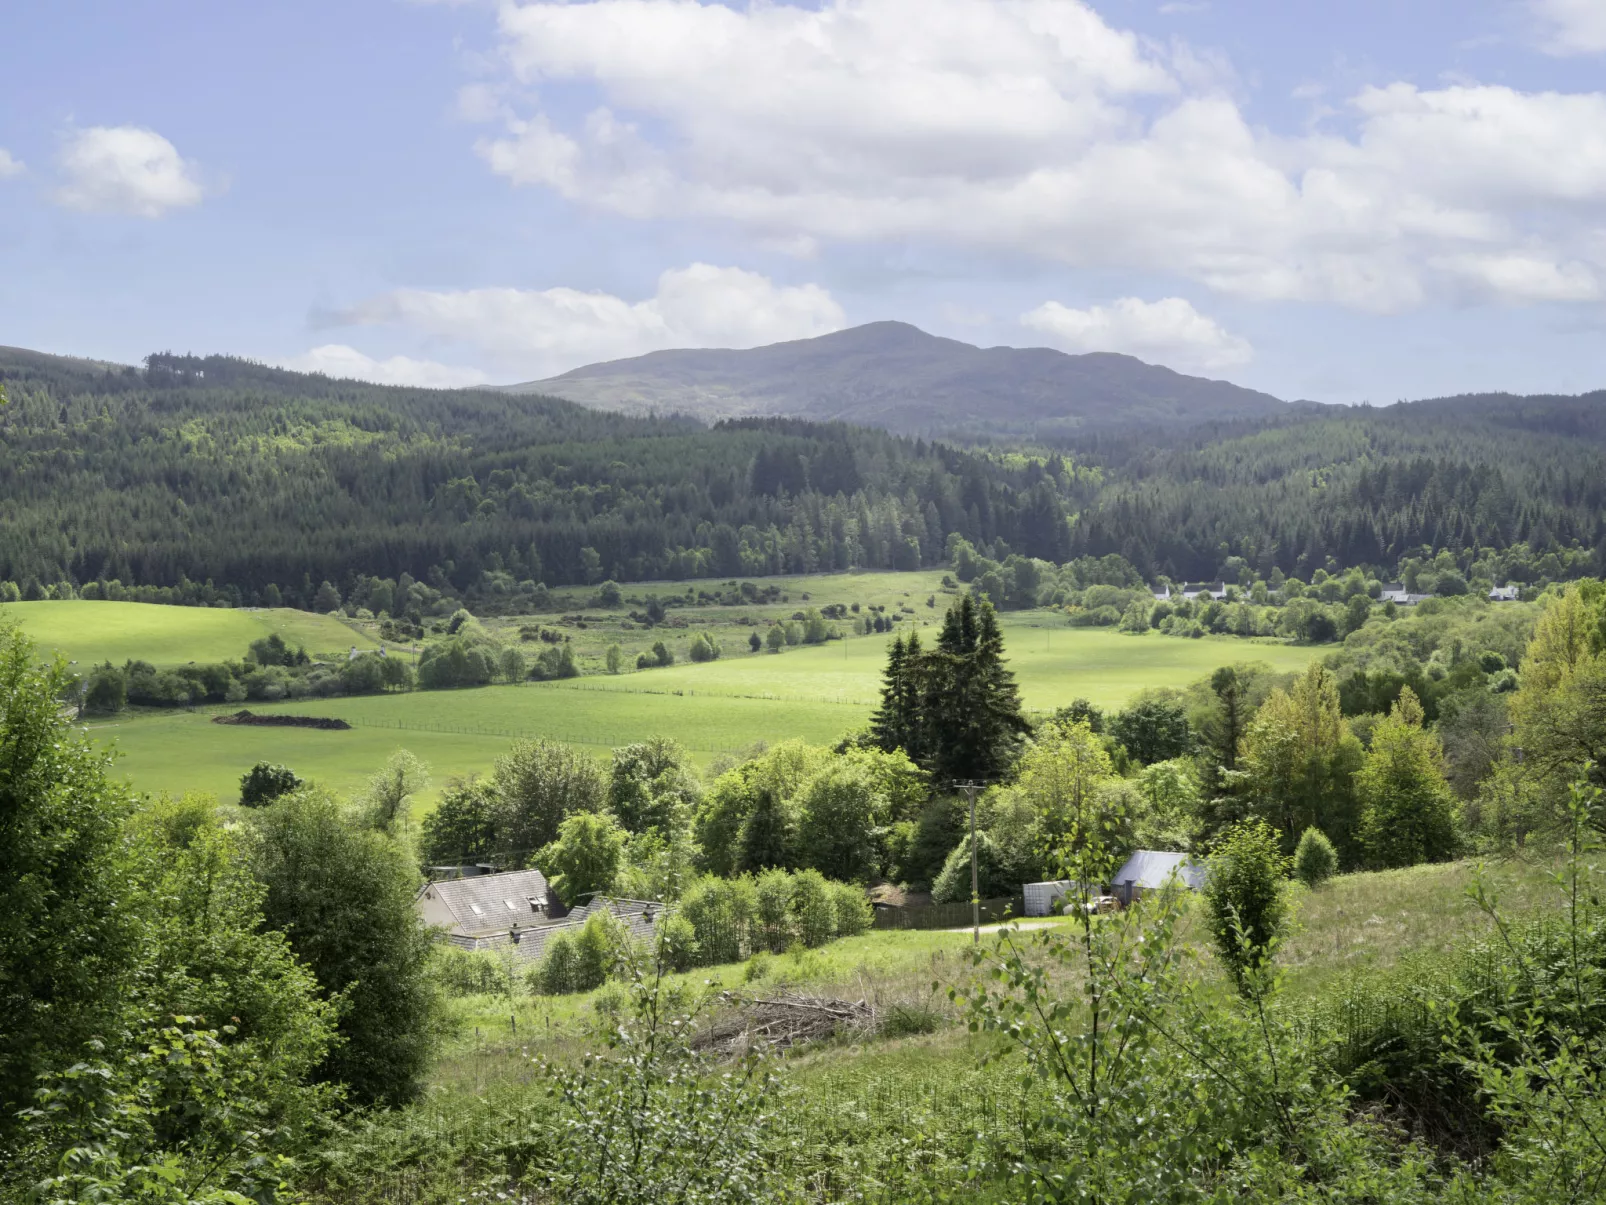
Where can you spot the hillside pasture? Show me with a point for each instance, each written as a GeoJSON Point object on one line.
{"type": "Point", "coordinates": [1054, 665]}
{"type": "Point", "coordinates": [457, 732]}
{"type": "Point", "coordinates": [92, 632]}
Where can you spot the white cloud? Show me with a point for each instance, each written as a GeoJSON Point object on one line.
{"type": "Point", "coordinates": [1033, 127]}
{"type": "Point", "coordinates": [1572, 26]}
{"type": "Point", "coordinates": [9, 165]}
{"type": "Point", "coordinates": [347, 363]}
{"type": "Point", "coordinates": [541, 332]}
{"type": "Point", "coordinates": [1169, 331]}
{"type": "Point", "coordinates": [125, 169]}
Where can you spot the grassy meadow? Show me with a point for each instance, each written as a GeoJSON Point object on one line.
{"type": "Point", "coordinates": [92, 632]}
{"type": "Point", "coordinates": [1354, 925]}
{"type": "Point", "coordinates": [816, 693]}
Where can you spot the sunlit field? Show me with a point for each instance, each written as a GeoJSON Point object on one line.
{"type": "Point", "coordinates": [92, 632]}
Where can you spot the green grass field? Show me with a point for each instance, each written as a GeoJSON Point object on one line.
{"type": "Point", "coordinates": [92, 632]}
{"type": "Point", "coordinates": [457, 732]}
{"type": "Point", "coordinates": [816, 693]}
{"type": "Point", "coordinates": [1053, 664]}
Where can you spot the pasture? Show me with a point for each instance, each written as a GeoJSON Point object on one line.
{"type": "Point", "coordinates": [1053, 664]}
{"type": "Point", "coordinates": [816, 693]}
{"type": "Point", "coordinates": [92, 632]}
{"type": "Point", "coordinates": [457, 732]}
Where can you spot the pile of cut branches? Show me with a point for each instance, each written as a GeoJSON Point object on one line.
{"type": "Point", "coordinates": [781, 1021]}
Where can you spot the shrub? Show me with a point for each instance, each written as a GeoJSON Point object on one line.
{"type": "Point", "coordinates": [659, 656]}
{"type": "Point", "coordinates": [853, 911]}
{"type": "Point", "coordinates": [1244, 895]}
{"type": "Point", "coordinates": [772, 894]}
{"type": "Point", "coordinates": [904, 1020]}
{"type": "Point", "coordinates": [555, 975]}
{"type": "Point", "coordinates": [469, 972]}
{"type": "Point", "coordinates": [1315, 860]}
{"type": "Point", "coordinates": [813, 909]}
{"type": "Point", "coordinates": [106, 691]}
{"type": "Point", "coordinates": [704, 648]}
{"type": "Point", "coordinates": [597, 949]}
{"type": "Point", "coordinates": [721, 914]}
{"type": "Point", "coordinates": [952, 885]}
{"type": "Point", "coordinates": [677, 943]}
{"type": "Point", "coordinates": [265, 782]}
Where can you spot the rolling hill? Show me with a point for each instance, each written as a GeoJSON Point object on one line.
{"type": "Point", "coordinates": [895, 376]}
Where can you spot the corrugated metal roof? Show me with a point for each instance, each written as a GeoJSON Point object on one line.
{"type": "Point", "coordinates": [491, 902]}
{"type": "Point", "coordinates": [1148, 870]}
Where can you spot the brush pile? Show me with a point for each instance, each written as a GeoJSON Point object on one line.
{"type": "Point", "coordinates": [782, 1021]}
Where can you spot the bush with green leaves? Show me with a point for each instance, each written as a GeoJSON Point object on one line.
{"type": "Point", "coordinates": [677, 943]}
{"type": "Point", "coordinates": [579, 958]}
{"type": "Point", "coordinates": [772, 899]}
{"type": "Point", "coordinates": [1315, 859]}
{"type": "Point", "coordinates": [813, 908]}
{"type": "Point", "coordinates": [342, 894]}
{"type": "Point", "coordinates": [703, 648]}
{"type": "Point", "coordinates": [1244, 895]}
{"type": "Point", "coordinates": [643, 1122]}
{"type": "Point", "coordinates": [265, 782]}
{"type": "Point", "coordinates": [992, 873]}
{"type": "Point", "coordinates": [721, 913]}
{"type": "Point", "coordinates": [555, 973]}
{"type": "Point", "coordinates": [853, 911]}
{"type": "Point", "coordinates": [463, 972]}
{"type": "Point", "coordinates": [174, 1123]}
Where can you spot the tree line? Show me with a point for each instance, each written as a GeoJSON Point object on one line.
{"type": "Point", "coordinates": [213, 479]}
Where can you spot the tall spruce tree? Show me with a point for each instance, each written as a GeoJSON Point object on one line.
{"type": "Point", "coordinates": [954, 710]}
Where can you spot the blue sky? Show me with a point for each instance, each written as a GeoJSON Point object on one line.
{"type": "Point", "coordinates": [1365, 201]}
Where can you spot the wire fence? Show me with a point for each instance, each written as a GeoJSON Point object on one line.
{"type": "Point", "coordinates": [948, 916]}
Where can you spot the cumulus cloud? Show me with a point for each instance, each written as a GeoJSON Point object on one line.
{"type": "Point", "coordinates": [9, 165]}
{"type": "Point", "coordinates": [1034, 127]}
{"type": "Point", "coordinates": [1169, 331]}
{"type": "Point", "coordinates": [550, 330]}
{"type": "Point", "coordinates": [125, 169]}
{"type": "Point", "coordinates": [1572, 26]}
{"type": "Point", "coordinates": [347, 363]}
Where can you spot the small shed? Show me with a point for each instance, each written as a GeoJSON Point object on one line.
{"type": "Point", "coordinates": [1043, 898]}
{"type": "Point", "coordinates": [1152, 869]}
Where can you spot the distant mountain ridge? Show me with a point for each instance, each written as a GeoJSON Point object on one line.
{"type": "Point", "coordinates": [898, 377]}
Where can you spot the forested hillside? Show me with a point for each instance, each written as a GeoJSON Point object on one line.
{"type": "Point", "coordinates": [267, 484]}
{"type": "Point", "coordinates": [1363, 486]}
{"type": "Point", "coordinates": [221, 470]}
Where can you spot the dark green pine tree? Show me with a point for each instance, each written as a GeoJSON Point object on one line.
{"type": "Point", "coordinates": [954, 710]}
{"type": "Point", "coordinates": [889, 724]}
{"type": "Point", "coordinates": [897, 723]}
{"type": "Point", "coordinates": [981, 706]}
{"type": "Point", "coordinates": [767, 834]}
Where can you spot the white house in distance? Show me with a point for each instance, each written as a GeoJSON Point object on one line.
{"type": "Point", "coordinates": [1145, 870]}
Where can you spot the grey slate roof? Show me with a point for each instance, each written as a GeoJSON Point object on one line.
{"type": "Point", "coordinates": [492, 902]}
{"type": "Point", "coordinates": [639, 917]}
{"type": "Point", "coordinates": [1149, 869]}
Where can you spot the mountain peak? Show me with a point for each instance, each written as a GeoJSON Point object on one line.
{"type": "Point", "coordinates": [894, 375]}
